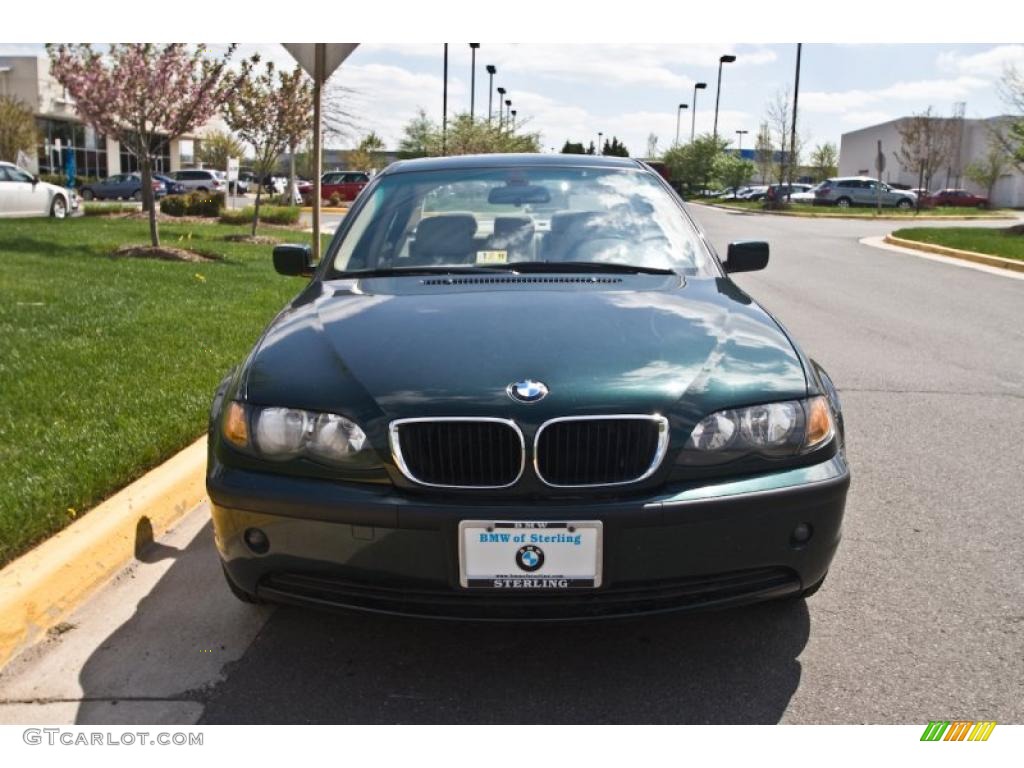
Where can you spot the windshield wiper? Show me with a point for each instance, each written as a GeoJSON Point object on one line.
{"type": "Point", "coordinates": [414, 271]}
{"type": "Point", "coordinates": [527, 267]}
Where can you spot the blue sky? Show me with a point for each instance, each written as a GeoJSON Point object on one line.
{"type": "Point", "coordinates": [574, 90]}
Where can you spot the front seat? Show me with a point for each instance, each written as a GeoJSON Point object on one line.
{"type": "Point", "coordinates": [514, 235]}
{"type": "Point", "coordinates": [445, 239]}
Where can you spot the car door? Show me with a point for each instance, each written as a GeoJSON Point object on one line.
{"type": "Point", "coordinates": [23, 197]}
{"type": "Point", "coordinates": [6, 194]}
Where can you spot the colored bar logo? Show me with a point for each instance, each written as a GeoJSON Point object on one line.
{"type": "Point", "coordinates": [958, 730]}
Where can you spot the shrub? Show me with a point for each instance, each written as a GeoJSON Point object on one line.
{"type": "Point", "coordinates": [208, 204]}
{"type": "Point", "coordinates": [269, 214]}
{"type": "Point", "coordinates": [335, 199]}
{"type": "Point", "coordinates": [61, 179]}
{"type": "Point", "coordinates": [107, 209]}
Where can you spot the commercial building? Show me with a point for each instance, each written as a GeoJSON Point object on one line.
{"type": "Point", "coordinates": [971, 142]}
{"type": "Point", "coordinates": [61, 130]}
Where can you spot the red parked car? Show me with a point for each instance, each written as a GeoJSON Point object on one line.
{"type": "Point", "coordinates": [960, 198]}
{"type": "Point", "coordinates": [345, 184]}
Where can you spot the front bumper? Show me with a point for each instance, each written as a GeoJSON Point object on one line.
{"type": "Point", "coordinates": [705, 545]}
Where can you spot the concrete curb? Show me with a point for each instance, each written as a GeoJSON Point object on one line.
{"type": "Point", "coordinates": [43, 586]}
{"type": "Point", "coordinates": [1015, 265]}
{"type": "Point", "coordinates": [309, 209]}
{"type": "Point", "coordinates": [883, 217]}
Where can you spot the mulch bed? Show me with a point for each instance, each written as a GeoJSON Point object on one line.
{"type": "Point", "coordinates": [164, 253]}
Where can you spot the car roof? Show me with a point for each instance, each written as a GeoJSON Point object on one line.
{"type": "Point", "coordinates": [512, 161]}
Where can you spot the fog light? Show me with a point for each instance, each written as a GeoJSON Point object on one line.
{"type": "Point", "coordinates": [256, 540]}
{"type": "Point", "coordinates": [802, 533]}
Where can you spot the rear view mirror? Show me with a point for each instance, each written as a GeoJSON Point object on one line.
{"type": "Point", "coordinates": [294, 260]}
{"type": "Point", "coordinates": [514, 194]}
{"type": "Point", "coordinates": [747, 256]}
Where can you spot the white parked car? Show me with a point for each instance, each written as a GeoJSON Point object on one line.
{"type": "Point", "coordinates": [806, 196]}
{"type": "Point", "coordinates": [23, 194]}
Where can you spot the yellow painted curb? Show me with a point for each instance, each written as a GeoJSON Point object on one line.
{"type": "Point", "coordinates": [1015, 265]}
{"type": "Point", "coordinates": [309, 209]}
{"type": "Point", "coordinates": [39, 589]}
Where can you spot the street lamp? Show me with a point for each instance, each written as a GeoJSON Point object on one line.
{"type": "Point", "coordinates": [501, 109]}
{"type": "Point", "coordinates": [599, 135]}
{"type": "Point", "coordinates": [726, 59]}
{"type": "Point", "coordinates": [508, 108]}
{"type": "Point", "coordinates": [472, 81]}
{"type": "Point", "coordinates": [693, 112]}
{"type": "Point", "coordinates": [491, 72]}
{"type": "Point", "coordinates": [740, 134]}
{"type": "Point", "coordinates": [679, 113]}
{"type": "Point", "coordinates": [514, 119]}
{"type": "Point", "coordinates": [444, 106]}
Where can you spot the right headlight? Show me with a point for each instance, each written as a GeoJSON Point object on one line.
{"type": "Point", "coordinates": [772, 430]}
{"type": "Point", "coordinates": [280, 434]}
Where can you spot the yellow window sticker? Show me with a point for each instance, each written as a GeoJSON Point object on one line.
{"type": "Point", "coordinates": [492, 257]}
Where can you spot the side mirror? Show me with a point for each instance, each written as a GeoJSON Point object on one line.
{"type": "Point", "coordinates": [746, 256]}
{"type": "Point", "coordinates": [294, 260]}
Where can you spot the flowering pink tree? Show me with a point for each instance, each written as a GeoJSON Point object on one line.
{"type": "Point", "coordinates": [144, 94]}
{"type": "Point", "coordinates": [272, 111]}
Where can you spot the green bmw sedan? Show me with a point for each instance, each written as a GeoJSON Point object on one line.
{"type": "Point", "coordinates": [525, 387]}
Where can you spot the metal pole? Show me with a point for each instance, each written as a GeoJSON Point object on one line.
{"type": "Point", "coordinates": [679, 115]}
{"type": "Point", "coordinates": [792, 132]}
{"type": "Point", "coordinates": [319, 54]}
{"type": "Point", "coordinates": [444, 106]}
{"type": "Point", "coordinates": [472, 82]}
{"type": "Point", "coordinates": [599, 136]}
{"type": "Point", "coordinates": [718, 93]}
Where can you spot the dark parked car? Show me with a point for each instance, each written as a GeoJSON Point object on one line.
{"type": "Point", "coordinates": [127, 186]}
{"type": "Point", "coordinates": [173, 187]}
{"type": "Point", "coordinates": [529, 389]}
{"type": "Point", "coordinates": [955, 197]}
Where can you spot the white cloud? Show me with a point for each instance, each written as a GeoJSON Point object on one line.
{"type": "Point", "coordinates": [990, 63]}
{"type": "Point", "coordinates": [916, 93]}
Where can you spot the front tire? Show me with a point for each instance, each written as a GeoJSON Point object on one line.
{"type": "Point", "coordinates": [904, 204]}
{"type": "Point", "coordinates": [59, 208]}
{"type": "Point", "coordinates": [844, 202]}
{"type": "Point", "coordinates": [87, 194]}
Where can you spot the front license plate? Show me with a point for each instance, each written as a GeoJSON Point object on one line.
{"type": "Point", "coordinates": [530, 556]}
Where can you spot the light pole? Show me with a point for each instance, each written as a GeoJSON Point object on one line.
{"type": "Point", "coordinates": [472, 81]}
{"type": "Point", "coordinates": [491, 72]}
{"type": "Point", "coordinates": [693, 112]}
{"type": "Point", "coordinates": [740, 134]}
{"type": "Point", "coordinates": [444, 106]}
{"type": "Point", "coordinates": [679, 114]}
{"type": "Point", "coordinates": [599, 135]}
{"type": "Point", "coordinates": [501, 109]}
{"type": "Point", "coordinates": [514, 119]}
{"type": "Point", "coordinates": [726, 59]}
{"type": "Point", "coordinates": [508, 108]}
{"type": "Point", "coordinates": [792, 131]}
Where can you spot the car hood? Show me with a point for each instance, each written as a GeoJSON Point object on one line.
{"type": "Point", "coordinates": [383, 349]}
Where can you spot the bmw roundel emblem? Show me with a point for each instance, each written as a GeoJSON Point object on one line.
{"type": "Point", "coordinates": [530, 558]}
{"type": "Point", "coordinates": [527, 391]}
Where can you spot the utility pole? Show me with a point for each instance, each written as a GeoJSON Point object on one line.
{"type": "Point", "coordinates": [792, 132]}
{"type": "Point", "coordinates": [444, 106]}
{"type": "Point", "coordinates": [472, 82]}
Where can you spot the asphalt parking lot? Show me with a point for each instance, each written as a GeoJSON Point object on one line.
{"type": "Point", "coordinates": [922, 616]}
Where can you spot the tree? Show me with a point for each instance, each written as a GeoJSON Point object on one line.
{"type": "Point", "coordinates": [465, 137]}
{"type": "Point", "coordinates": [764, 152]}
{"type": "Point", "coordinates": [418, 135]}
{"type": "Point", "coordinates": [17, 129]}
{"type": "Point", "coordinates": [732, 171]}
{"type": "Point", "coordinates": [215, 148]}
{"type": "Point", "coordinates": [925, 143]}
{"type": "Point", "coordinates": [265, 113]}
{"type": "Point", "coordinates": [1011, 88]}
{"type": "Point", "coordinates": [652, 146]}
{"type": "Point", "coordinates": [339, 122]}
{"type": "Point", "coordinates": [573, 148]}
{"type": "Point", "coordinates": [779, 119]}
{"type": "Point", "coordinates": [986, 171]}
{"type": "Point", "coordinates": [825, 161]}
{"type": "Point", "coordinates": [144, 94]}
{"type": "Point", "coordinates": [614, 148]}
{"type": "Point", "coordinates": [591, 149]}
{"type": "Point", "coordinates": [693, 165]}
{"type": "Point", "coordinates": [367, 155]}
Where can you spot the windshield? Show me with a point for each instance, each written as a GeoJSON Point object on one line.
{"type": "Point", "coordinates": [498, 218]}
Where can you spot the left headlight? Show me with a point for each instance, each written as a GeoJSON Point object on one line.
{"type": "Point", "coordinates": [280, 434]}
{"type": "Point", "coordinates": [772, 430]}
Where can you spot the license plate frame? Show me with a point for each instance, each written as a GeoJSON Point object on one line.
{"type": "Point", "coordinates": [546, 577]}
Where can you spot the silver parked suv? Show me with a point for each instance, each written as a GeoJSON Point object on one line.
{"type": "Point", "coordinates": [201, 180]}
{"type": "Point", "coordinates": [861, 190]}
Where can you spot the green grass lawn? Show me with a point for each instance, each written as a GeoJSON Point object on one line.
{"type": "Point", "coordinates": [824, 210]}
{"type": "Point", "coordinates": [108, 366]}
{"type": "Point", "coordinates": [1008, 242]}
